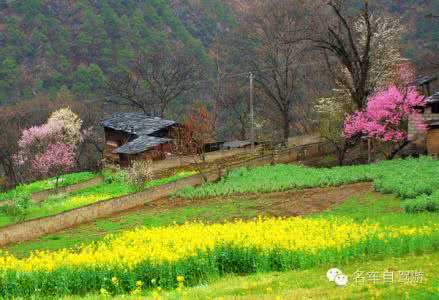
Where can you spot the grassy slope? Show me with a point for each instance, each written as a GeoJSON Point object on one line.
{"type": "Point", "coordinates": [408, 179]}
{"type": "Point", "coordinates": [312, 284]}
{"type": "Point", "coordinates": [47, 184]}
{"type": "Point", "coordinates": [383, 209]}
{"type": "Point", "coordinates": [102, 192]}
{"type": "Point", "coordinates": [309, 284]}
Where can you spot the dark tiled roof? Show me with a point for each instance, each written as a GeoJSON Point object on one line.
{"type": "Point", "coordinates": [423, 80]}
{"type": "Point", "coordinates": [141, 144]}
{"type": "Point", "coordinates": [140, 125]}
{"type": "Point", "coordinates": [136, 123]}
{"type": "Point", "coordinates": [433, 98]}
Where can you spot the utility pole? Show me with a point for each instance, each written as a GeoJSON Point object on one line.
{"type": "Point", "coordinates": [252, 115]}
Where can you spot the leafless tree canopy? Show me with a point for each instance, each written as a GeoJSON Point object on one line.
{"type": "Point", "coordinates": [157, 79]}
{"type": "Point", "coordinates": [340, 39]}
{"type": "Point", "coordinates": [275, 29]}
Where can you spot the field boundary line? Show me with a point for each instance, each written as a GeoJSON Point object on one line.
{"type": "Point", "coordinates": [36, 228]}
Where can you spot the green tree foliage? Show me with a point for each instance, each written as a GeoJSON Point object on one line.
{"type": "Point", "coordinates": [78, 44]}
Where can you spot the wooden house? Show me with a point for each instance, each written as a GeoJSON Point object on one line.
{"type": "Point", "coordinates": [426, 141]}
{"type": "Point", "coordinates": [133, 136]}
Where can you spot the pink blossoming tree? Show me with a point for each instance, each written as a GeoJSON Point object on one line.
{"type": "Point", "coordinates": [384, 120]}
{"type": "Point", "coordinates": [50, 149]}
{"type": "Point", "coordinates": [58, 159]}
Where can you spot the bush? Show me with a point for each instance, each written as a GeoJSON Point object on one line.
{"type": "Point", "coordinates": [18, 208]}
{"type": "Point", "coordinates": [139, 173]}
{"type": "Point", "coordinates": [422, 203]}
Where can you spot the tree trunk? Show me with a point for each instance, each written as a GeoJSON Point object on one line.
{"type": "Point", "coordinates": [341, 155]}
{"type": "Point", "coordinates": [398, 149]}
{"type": "Point", "coordinates": [286, 127]}
{"type": "Point", "coordinates": [9, 172]}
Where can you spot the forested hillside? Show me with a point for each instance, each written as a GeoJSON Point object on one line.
{"type": "Point", "coordinates": [422, 36]}
{"type": "Point", "coordinates": [47, 44]}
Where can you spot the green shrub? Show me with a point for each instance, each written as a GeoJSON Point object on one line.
{"type": "Point", "coordinates": [18, 208]}
{"type": "Point", "coordinates": [423, 203]}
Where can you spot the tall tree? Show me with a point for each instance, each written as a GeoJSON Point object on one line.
{"type": "Point", "coordinates": [273, 30]}
{"type": "Point", "coordinates": [341, 39]}
{"type": "Point", "coordinates": [159, 77]}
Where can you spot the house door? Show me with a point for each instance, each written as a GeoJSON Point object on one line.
{"type": "Point", "coordinates": [124, 160]}
{"type": "Point", "coordinates": [433, 141]}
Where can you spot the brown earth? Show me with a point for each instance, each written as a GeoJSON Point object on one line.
{"type": "Point", "coordinates": [289, 203]}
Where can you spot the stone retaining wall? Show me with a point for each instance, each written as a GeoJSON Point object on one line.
{"type": "Point", "coordinates": [39, 227]}
{"type": "Point", "coordinates": [43, 195]}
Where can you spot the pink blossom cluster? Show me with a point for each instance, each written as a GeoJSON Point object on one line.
{"type": "Point", "coordinates": [57, 158]}
{"type": "Point", "coordinates": [49, 149]}
{"type": "Point", "coordinates": [39, 133]}
{"type": "Point", "coordinates": [385, 115]}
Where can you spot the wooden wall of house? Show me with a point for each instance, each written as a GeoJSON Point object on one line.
{"type": "Point", "coordinates": [415, 120]}
{"type": "Point", "coordinates": [433, 141]}
{"type": "Point", "coordinates": [114, 139]}
{"type": "Point", "coordinates": [157, 153]}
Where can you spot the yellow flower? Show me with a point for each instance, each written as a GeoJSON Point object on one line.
{"type": "Point", "coordinates": [139, 283]}
{"type": "Point", "coordinates": [178, 242]}
{"type": "Point", "coordinates": [115, 281]}
{"type": "Point", "coordinates": [136, 291]}
{"type": "Point", "coordinates": [104, 292]}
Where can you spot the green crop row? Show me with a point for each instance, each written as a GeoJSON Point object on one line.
{"type": "Point", "coordinates": [406, 178]}
{"type": "Point", "coordinates": [47, 184]}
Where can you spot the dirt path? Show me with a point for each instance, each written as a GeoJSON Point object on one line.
{"type": "Point", "coordinates": [289, 203]}
{"type": "Point", "coordinates": [295, 203]}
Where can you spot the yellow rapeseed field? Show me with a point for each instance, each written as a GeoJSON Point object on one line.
{"type": "Point", "coordinates": [174, 243]}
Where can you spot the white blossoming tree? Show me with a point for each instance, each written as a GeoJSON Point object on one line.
{"type": "Point", "coordinates": [380, 36]}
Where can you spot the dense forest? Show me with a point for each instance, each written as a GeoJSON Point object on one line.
{"type": "Point", "coordinates": [50, 44]}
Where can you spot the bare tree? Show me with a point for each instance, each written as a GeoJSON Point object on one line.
{"type": "Point", "coordinates": [157, 79]}
{"type": "Point", "coordinates": [342, 41]}
{"type": "Point", "coordinates": [191, 139]}
{"type": "Point", "coordinates": [274, 31]}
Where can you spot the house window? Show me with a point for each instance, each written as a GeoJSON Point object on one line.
{"type": "Point", "coordinates": [435, 108]}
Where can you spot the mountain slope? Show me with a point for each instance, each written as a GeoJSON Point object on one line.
{"type": "Point", "coordinates": [46, 44]}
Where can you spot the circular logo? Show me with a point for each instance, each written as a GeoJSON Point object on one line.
{"type": "Point", "coordinates": [341, 280]}
{"type": "Point", "coordinates": [332, 273]}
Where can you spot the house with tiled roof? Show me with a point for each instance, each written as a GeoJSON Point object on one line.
{"type": "Point", "coordinates": [131, 136]}
{"type": "Point", "coordinates": [426, 141]}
